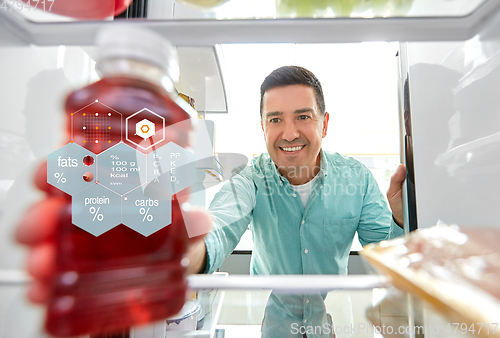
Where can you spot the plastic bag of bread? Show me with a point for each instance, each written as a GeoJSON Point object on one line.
{"type": "Point", "coordinates": [456, 270]}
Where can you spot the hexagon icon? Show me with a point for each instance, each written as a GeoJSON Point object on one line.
{"type": "Point", "coordinates": [120, 168]}
{"type": "Point", "coordinates": [96, 210]}
{"type": "Point", "coordinates": [146, 215]}
{"type": "Point", "coordinates": [71, 168]}
{"type": "Point", "coordinates": [145, 129]}
{"type": "Point", "coordinates": [145, 124]}
{"type": "Point", "coordinates": [96, 125]}
{"type": "Point", "coordinates": [171, 168]}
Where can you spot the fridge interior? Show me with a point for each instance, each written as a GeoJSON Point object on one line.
{"type": "Point", "coordinates": [451, 55]}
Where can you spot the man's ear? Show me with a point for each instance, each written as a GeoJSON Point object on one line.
{"type": "Point", "coordinates": [263, 131]}
{"type": "Point", "coordinates": [326, 118]}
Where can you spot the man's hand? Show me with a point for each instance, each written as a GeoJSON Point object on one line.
{"type": "Point", "coordinates": [394, 194]}
{"type": "Point", "coordinates": [198, 223]}
{"type": "Point", "coordinates": [37, 229]}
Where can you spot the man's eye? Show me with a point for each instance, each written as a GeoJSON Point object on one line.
{"type": "Point", "coordinates": [274, 120]}
{"type": "Point", "coordinates": [303, 117]}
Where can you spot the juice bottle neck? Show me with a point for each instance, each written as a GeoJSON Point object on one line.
{"type": "Point", "coordinates": [138, 69]}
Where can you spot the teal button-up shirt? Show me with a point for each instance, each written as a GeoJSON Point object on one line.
{"type": "Point", "coordinates": [291, 239]}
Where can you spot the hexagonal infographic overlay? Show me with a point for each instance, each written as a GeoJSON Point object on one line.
{"type": "Point", "coordinates": [96, 124]}
{"type": "Point", "coordinates": [96, 210]}
{"type": "Point", "coordinates": [129, 179]}
{"type": "Point", "coordinates": [71, 168]}
{"type": "Point", "coordinates": [171, 168]}
{"type": "Point", "coordinates": [121, 185]}
{"type": "Point", "coordinates": [144, 214]}
{"type": "Point", "coordinates": [145, 125]}
{"type": "Point", "coordinates": [120, 168]}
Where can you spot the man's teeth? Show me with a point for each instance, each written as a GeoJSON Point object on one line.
{"type": "Point", "coordinates": [292, 148]}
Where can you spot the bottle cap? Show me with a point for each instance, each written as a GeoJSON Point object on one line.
{"type": "Point", "coordinates": [138, 43]}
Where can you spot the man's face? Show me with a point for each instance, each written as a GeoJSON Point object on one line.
{"type": "Point", "coordinates": [293, 128]}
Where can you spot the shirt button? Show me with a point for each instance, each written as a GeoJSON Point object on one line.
{"type": "Point", "coordinates": [294, 195]}
{"type": "Point", "coordinates": [306, 251]}
{"type": "Point", "coordinates": [305, 321]}
{"type": "Point", "coordinates": [303, 221]}
{"type": "Point", "coordinates": [307, 301]}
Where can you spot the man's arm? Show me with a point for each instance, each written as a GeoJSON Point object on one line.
{"type": "Point", "coordinates": [197, 255]}
{"type": "Point", "coordinates": [231, 209]}
{"type": "Point", "coordinates": [376, 222]}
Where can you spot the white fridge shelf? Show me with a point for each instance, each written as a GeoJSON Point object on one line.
{"type": "Point", "coordinates": [15, 29]}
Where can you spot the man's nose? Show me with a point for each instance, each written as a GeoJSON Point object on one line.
{"type": "Point", "coordinates": [290, 131]}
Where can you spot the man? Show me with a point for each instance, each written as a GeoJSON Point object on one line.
{"type": "Point", "coordinates": [303, 204]}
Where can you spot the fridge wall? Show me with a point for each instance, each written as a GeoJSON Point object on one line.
{"type": "Point", "coordinates": [33, 83]}
{"type": "Point", "coordinates": [456, 128]}
{"type": "Point", "coordinates": [455, 111]}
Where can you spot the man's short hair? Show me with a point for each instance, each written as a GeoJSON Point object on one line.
{"type": "Point", "coordinates": [292, 75]}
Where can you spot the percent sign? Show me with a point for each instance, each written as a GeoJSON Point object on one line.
{"type": "Point", "coordinates": [60, 177]}
{"type": "Point", "coordinates": [146, 214]}
{"type": "Point", "coordinates": [115, 157]}
{"type": "Point", "coordinates": [96, 214]}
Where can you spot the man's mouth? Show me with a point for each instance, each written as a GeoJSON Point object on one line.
{"type": "Point", "coordinates": [292, 149]}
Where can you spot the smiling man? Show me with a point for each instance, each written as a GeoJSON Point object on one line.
{"type": "Point", "coordinates": [302, 203]}
{"type": "Point", "coordinates": [294, 123]}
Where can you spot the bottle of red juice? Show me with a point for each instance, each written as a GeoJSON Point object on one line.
{"type": "Point", "coordinates": [122, 278]}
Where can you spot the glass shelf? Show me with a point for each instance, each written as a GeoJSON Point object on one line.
{"type": "Point", "coordinates": [284, 9]}
{"type": "Point", "coordinates": [453, 20]}
{"type": "Point", "coordinates": [364, 306]}
{"type": "Point", "coordinates": [277, 9]}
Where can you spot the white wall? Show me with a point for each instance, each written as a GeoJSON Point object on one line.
{"type": "Point", "coordinates": [33, 84]}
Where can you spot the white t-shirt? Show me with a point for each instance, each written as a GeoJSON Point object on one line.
{"type": "Point", "coordinates": [304, 190]}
